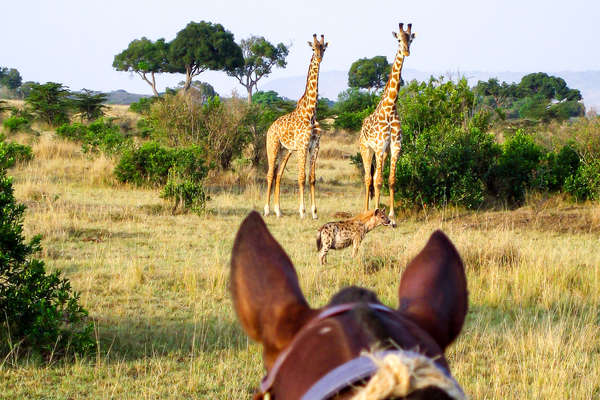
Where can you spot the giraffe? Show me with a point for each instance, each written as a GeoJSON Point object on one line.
{"type": "Point", "coordinates": [381, 130]}
{"type": "Point", "coordinates": [297, 131]}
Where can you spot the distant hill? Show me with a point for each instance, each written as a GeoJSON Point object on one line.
{"type": "Point", "coordinates": [331, 83]}
{"type": "Point", "coordinates": [123, 97]}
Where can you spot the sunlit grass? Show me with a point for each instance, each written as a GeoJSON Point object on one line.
{"type": "Point", "coordinates": [156, 283]}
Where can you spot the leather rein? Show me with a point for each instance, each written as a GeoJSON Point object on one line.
{"type": "Point", "coordinates": [341, 377]}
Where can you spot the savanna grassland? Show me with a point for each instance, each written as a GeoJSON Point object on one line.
{"type": "Point", "coordinates": [156, 284]}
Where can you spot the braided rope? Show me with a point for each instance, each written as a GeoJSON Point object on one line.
{"type": "Point", "coordinates": [401, 374]}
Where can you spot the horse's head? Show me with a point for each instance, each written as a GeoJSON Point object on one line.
{"type": "Point", "coordinates": [319, 353]}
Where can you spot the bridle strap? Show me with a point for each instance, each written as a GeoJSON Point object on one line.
{"type": "Point", "coordinates": [346, 375]}
{"type": "Point", "coordinates": [269, 379]}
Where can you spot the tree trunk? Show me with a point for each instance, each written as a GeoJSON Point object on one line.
{"type": "Point", "coordinates": [188, 78]}
{"type": "Point", "coordinates": [249, 88]}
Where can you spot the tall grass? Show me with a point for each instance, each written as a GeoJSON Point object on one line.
{"type": "Point", "coordinates": [156, 284]}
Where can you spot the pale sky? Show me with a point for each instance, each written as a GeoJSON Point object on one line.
{"type": "Point", "coordinates": [74, 42]}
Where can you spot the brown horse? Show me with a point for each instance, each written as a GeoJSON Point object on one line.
{"type": "Point", "coordinates": [319, 353]}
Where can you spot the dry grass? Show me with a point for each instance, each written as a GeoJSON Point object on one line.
{"type": "Point", "coordinates": [156, 284]}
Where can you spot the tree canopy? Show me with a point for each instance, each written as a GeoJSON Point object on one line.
{"type": "Point", "coordinates": [11, 78]}
{"type": "Point", "coordinates": [260, 56]}
{"type": "Point", "coordinates": [144, 57]}
{"type": "Point", "coordinates": [201, 46]}
{"type": "Point", "coordinates": [89, 105]}
{"type": "Point", "coordinates": [369, 73]}
{"type": "Point", "coordinates": [537, 96]}
{"type": "Point", "coordinates": [49, 102]}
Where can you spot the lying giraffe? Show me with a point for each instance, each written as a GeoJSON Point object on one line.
{"type": "Point", "coordinates": [381, 130]}
{"type": "Point", "coordinates": [298, 131]}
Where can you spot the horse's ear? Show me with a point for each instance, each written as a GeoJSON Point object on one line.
{"type": "Point", "coordinates": [433, 290]}
{"type": "Point", "coordinates": [265, 290]}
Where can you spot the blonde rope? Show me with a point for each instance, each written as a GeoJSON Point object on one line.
{"type": "Point", "coordinates": [401, 374]}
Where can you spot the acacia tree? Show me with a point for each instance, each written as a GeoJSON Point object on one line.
{"type": "Point", "coordinates": [89, 105]}
{"type": "Point", "coordinates": [11, 78]}
{"type": "Point", "coordinates": [260, 56]}
{"type": "Point", "coordinates": [50, 102]}
{"type": "Point", "coordinates": [201, 46]}
{"type": "Point", "coordinates": [144, 57]}
{"type": "Point", "coordinates": [369, 73]}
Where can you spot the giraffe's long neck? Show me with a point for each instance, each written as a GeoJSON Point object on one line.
{"type": "Point", "coordinates": [307, 104]}
{"type": "Point", "coordinates": [390, 93]}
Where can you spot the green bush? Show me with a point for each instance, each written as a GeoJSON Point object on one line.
{"type": "Point", "coordinates": [142, 106]}
{"type": "Point", "coordinates": [516, 168]}
{"type": "Point", "coordinates": [39, 310]}
{"type": "Point", "coordinates": [100, 135]}
{"type": "Point", "coordinates": [585, 183]}
{"type": "Point", "coordinates": [184, 192]}
{"type": "Point", "coordinates": [150, 164]}
{"type": "Point", "coordinates": [147, 165]}
{"type": "Point", "coordinates": [352, 107]}
{"type": "Point", "coordinates": [49, 103]}
{"type": "Point", "coordinates": [446, 168]}
{"type": "Point", "coordinates": [12, 153]}
{"type": "Point", "coordinates": [555, 167]}
{"type": "Point", "coordinates": [15, 124]}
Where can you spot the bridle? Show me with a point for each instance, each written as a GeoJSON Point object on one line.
{"type": "Point", "coordinates": [345, 375]}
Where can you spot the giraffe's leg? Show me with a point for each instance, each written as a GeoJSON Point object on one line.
{"type": "Point", "coordinates": [301, 179]}
{"type": "Point", "coordinates": [355, 245]}
{"type": "Point", "coordinates": [395, 152]}
{"type": "Point", "coordinates": [314, 151]}
{"type": "Point", "coordinates": [395, 146]}
{"type": "Point", "coordinates": [367, 156]}
{"type": "Point", "coordinates": [379, 161]}
{"type": "Point", "coordinates": [272, 150]}
{"type": "Point", "coordinates": [280, 170]}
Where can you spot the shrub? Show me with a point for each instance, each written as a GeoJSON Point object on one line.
{"type": "Point", "coordinates": [219, 126]}
{"type": "Point", "coordinates": [15, 124]}
{"type": "Point", "coordinates": [147, 165]}
{"type": "Point", "coordinates": [39, 310]}
{"type": "Point", "coordinates": [50, 103]}
{"type": "Point", "coordinates": [585, 183]}
{"type": "Point", "coordinates": [446, 168]}
{"type": "Point", "coordinates": [352, 107]}
{"type": "Point", "coordinates": [142, 106]}
{"type": "Point", "coordinates": [555, 167]}
{"type": "Point", "coordinates": [516, 168]}
{"type": "Point", "coordinates": [100, 135]}
{"type": "Point", "coordinates": [12, 153]}
{"type": "Point", "coordinates": [185, 192]}
{"type": "Point", "coordinates": [150, 164]}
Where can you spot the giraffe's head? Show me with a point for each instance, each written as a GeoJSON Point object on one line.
{"type": "Point", "coordinates": [405, 38]}
{"type": "Point", "coordinates": [318, 46]}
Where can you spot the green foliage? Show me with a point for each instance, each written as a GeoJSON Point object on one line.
{"type": "Point", "coordinates": [100, 135]}
{"type": "Point", "coordinates": [11, 78]}
{"type": "Point", "coordinates": [142, 106]}
{"type": "Point", "coordinates": [585, 183]}
{"type": "Point", "coordinates": [515, 170]}
{"type": "Point", "coordinates": [15, 124]}
{"type": "Point", "coordinates": [39, 310]}
{"type": "Point", "coordinates": [274, 102]}
{"type": "Point", "coordinates": [89, 105]}
{"type": "Point", "coordinates": [201, 46]}
{"type": "Point", "coordinates": [556, 167]}
{"type": "Point", "coordinates": [260, 56]}
{"type": "Point", "coordinates": [352, 107]}
{"type": "Point", "coordinates": [12, 153]}
{"type": "Point", "coordinates": [49, 103]}
{"type": "Point", "coordinates": [218, 126]}
{"type": "Point", "coordinates": [147, 165]}
{"type": "Point", "coordinates": [143, 57]}
{"type": "Point", "coordinates": [537, 97]}
{"type": "Point", "coordinates": [369, 73]}
{"type": "Point", "coordinates": [446, 167]}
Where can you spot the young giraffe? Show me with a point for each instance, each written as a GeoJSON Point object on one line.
{"type": "Point", "coordinates": [298, 131]}
{"type": "Point", "coordinates": [381, 130]}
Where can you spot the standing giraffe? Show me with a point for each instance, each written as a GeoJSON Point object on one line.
{"type": "Point", "coordinates": [299, 131]}
{"type": "Point", "coordinates": [381, 130]}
